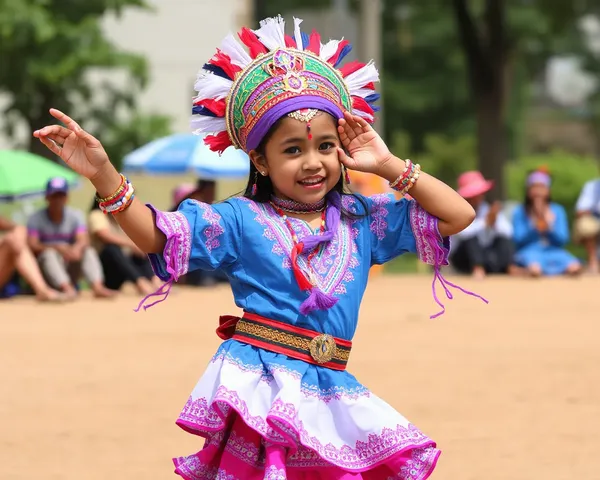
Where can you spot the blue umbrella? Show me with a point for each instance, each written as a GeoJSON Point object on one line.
{"type": "Point", "coordinates": [183, 153]}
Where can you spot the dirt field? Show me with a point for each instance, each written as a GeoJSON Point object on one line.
{"type": "Point", "coordinates": [510, 391]}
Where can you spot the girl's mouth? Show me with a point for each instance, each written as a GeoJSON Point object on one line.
{"type": "Point", "coordinates": [312, 182]}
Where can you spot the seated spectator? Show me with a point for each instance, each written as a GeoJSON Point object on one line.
{"type": "Point", "coordinates": [122, 261]}
{"type": "Point", "coordinates": [486, 245]}
{"type": "Point", "coordinates": [58, 236]}
{"type": "Point", "coordinates": [16, 257]}
{"type": "Point", "coordinates": [541, 231]}
{"type": "Point", "coordinates": [587, 224]}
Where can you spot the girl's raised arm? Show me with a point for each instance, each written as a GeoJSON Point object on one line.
{"type": "Point", "coordinates": [85, 155]}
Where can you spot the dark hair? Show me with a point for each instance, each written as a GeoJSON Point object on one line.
{"type": "Point", "coordinates": [264, 185]}
{"type": "Point", "coordinates": [528, 200]}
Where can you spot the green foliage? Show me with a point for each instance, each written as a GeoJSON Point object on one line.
{"type": "Point", "coordinates": [51, 47]}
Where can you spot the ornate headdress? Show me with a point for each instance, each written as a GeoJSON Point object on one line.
{"type": "Point", "coordinates": [241, 94]}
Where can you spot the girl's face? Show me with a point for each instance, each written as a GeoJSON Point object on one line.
{"type": "Point", "coordinates": [301, 169]}
{"type": "Point", "coordinates": [539, 190]}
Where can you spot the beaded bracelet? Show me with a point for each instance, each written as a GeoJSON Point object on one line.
{"type": "Point", "coordinates": [407, 179]}
{"type": "Point", "coordinates": [120, 200]}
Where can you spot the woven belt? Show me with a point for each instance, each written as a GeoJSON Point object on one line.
{"type": "Point", "coordinates": [299, 343]}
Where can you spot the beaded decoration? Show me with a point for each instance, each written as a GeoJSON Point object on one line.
{"type": "Point", "coordinates": [120, 200]}
{"type": "Point", "coordinates": [407, 178]}
{"type": "Point", "coordinates": [291, 206]}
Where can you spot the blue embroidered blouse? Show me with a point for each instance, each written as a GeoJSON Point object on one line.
{"type": "Point", "coordinates": [250, 242]}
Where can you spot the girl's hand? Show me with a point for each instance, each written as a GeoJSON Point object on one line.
{"type": "Point", "coordinates": [368, 152]}
{"type": "Point", "coordinates": [80, 151]}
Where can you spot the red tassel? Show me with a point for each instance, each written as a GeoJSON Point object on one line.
{"type": "Point", "coordinates": [359, 103]}
{"type": "Point", "coordinates": [249, 38]}
{"type": "Point", "coordinates": [223, 60]}
{"type": "Point", "coordinates": [218, 142]}
{"type": "Point", "coordinates": [314, 43]}
{"type": "Point", "coordinates": [290, 42]}
{"type": "Point", "coordinates": [215, 106]}
{"type": "Point", "coordinates": [336, 55]}
{"type": "Point", "coordinates": [301, 279]}
{"type": "Point", "coordinates": [351, 67]}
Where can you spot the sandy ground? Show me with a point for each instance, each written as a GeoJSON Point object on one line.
{"type": "Point", "coordinates": [510, 391]}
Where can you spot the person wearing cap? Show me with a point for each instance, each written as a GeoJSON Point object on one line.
{"type": "Point", "coordinates": [485, 246]}
{"type": "Point", "coordinates": [541, 231]}
{"type": "Point", "coordinates": [16, 257]}
{"type": "Point", "coordinates": [587, 224]}
{"type": "Point", "coordinates": [58, 237]}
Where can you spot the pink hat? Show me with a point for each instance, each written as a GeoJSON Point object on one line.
{"type": "Point", "coordinates": [471, 184]}
{"type": "Point", "coordinates": [182, 191]}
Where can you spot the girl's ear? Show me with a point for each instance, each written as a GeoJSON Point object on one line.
{"type": "Point", "coordinates": [260, 162]}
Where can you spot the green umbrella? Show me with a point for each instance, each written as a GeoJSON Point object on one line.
{"type": "Point", "coordinates": [23, 174]}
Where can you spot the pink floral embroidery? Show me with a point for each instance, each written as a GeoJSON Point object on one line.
{"type": "Point", "coordinates": [214, 229]}
{"type": "Point", "coordinates": [333, 264]}
{"type": "Point", "coordinates": [379, 212]}
{"type": "Point", "coordinates": [427, 237]}
{"type": "Point", "coordinates": [274, 473]}
{"type": "Point", "coordinates": [420, 465]}
{"type": "Point", "coordinates": [179, 241]}
{"type": "Point", "coordinates": [283, 417]}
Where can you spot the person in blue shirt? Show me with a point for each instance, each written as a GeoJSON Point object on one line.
{"type": "Point", "coordinates": [276, 401]}
{"type": "Point", "coordinates": [541, 231]}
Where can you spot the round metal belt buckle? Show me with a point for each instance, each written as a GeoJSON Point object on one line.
{"type": "Point", "coordinates": [322, 348]}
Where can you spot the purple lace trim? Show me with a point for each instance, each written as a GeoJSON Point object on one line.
{"type": "Point", "coordinates": [176, 253]}
{"type": "Point", "coordinates": [433, 250]}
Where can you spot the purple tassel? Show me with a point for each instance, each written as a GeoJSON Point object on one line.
{"type": "Point", "coordinates": [164, 290]}
{"type": "Point", "coordinates": [347, 176]}
{"type": "Point", "coordinates": [317, 300]}
{"type": "Point", "coordinates": [254, 190]}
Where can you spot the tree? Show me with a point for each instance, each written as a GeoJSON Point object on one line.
{"type": "Point", "coordinates": [48, 49]}
{"type": "Point", "coordinates": [498, 35]}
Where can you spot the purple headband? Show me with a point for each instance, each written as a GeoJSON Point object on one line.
{"type": "Point", "coordinates": [290, 105]}
{"type": "Point", "coordinates": [539, 178]}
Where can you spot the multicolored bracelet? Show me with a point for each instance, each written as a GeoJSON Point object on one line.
{"type": "Point", "coordinates": [120, 200]}
{"type": "Point", "coordinates": [407, 178]}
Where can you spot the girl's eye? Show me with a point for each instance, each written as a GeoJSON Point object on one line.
{"type": "Point", "coordinates": [326, 146]}
{"type": "Point", "coordinates": [292, 150]}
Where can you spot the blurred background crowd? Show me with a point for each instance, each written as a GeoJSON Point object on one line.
{"type": "Point", "coordinates": [497, 98]}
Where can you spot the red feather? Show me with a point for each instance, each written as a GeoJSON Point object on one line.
{"type": "Point", "coordinates": [249, 38]}
{"type": "Point", "coordinates": [336, 55]}
{"type": "Point", "coordinates": [223, 60]}
{"type": "Point", "coordinates": [361, 104]}
{"type": "Point", "coordinates": [370, 86]}
{"type": "Point", "coordinates": [215, 106]}
{"type": "Point", "coordinates": [351, 67]}
{"type": "Point", "coordinates": [290, 42]}
{"type": "Point", "coordinates": [314, 43]}
{"type": "Point", "coordinates": [218, 142]}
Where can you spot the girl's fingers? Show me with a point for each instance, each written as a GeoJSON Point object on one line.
{"type": "Point", "coordinates": [53, 147]}
{"type": "Point", "coordinates": [64, 118]}
{"type": "Point", "coordinates": [348, 130]}
{"type": "Point", "coordinates": [53, 130]}
{"type": "Point", "coordinates": [363, 123]}
{"type": "Point", "coordinates": [353, 123]}
{"type": "Point", "coordinates": [344, 159]}
{"type": "Point", "coordinates": [90, 140]}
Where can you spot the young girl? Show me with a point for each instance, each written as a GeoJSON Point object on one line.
{"type": "Point", "coordinates": [275, 401]}
{"type": "Point", "coordinates": [541, 231]}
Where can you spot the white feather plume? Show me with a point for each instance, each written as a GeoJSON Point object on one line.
{"type": "Point", "coordinates": [212, 86]}
{"type": "Point", "coordinates": [328, 50]}
{"type": "Point", "coordinates": [236, 52]}
{"type": "Point", "coordinates": [204, 123]}
{"type": "Point", "coordinates": [367, 74]}
{"type": "Point", "coordinates": [298, 34]}
{"type": "Point", "coordinates": [272, 32]}
{"type": "Point", "coordinates": [365, 115]}
{"type": "Point", "coordinates": [363, 92]}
